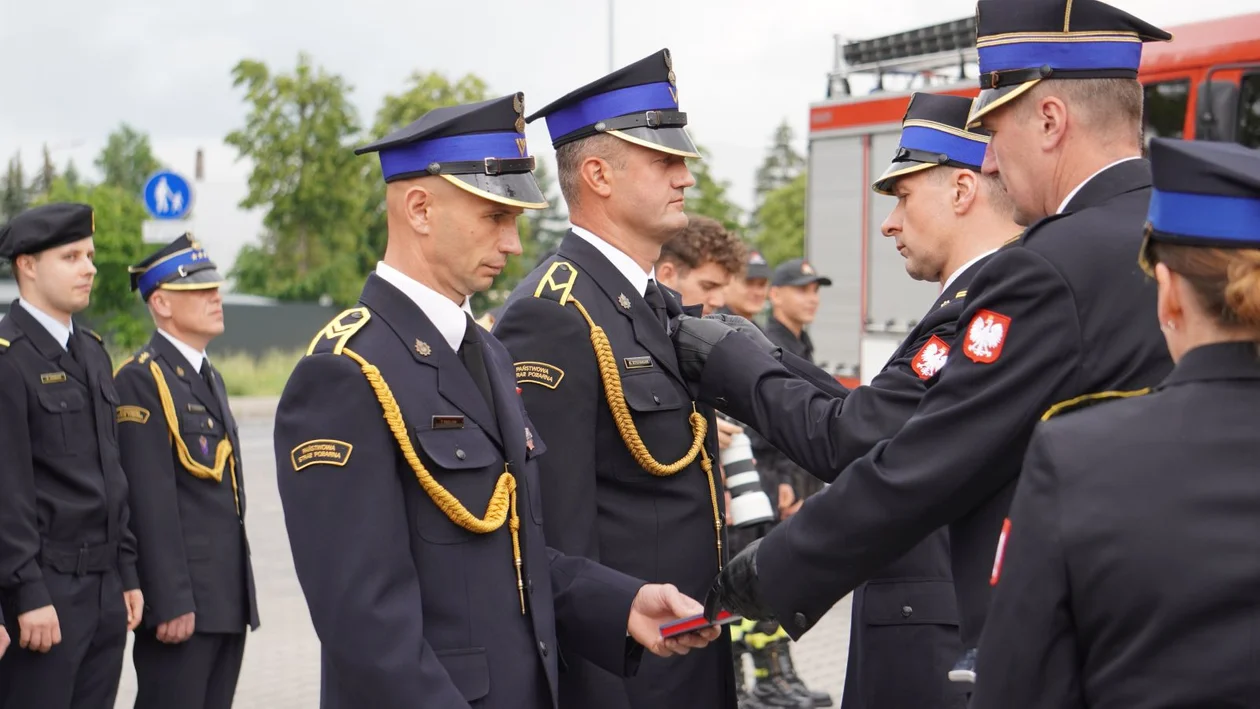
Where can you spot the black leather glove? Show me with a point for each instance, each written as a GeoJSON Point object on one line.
{"type": "Point", "coordinates": [695, 339]}
{"type": "Point", "coordinates": [736, 588]}
{"type": "Point", "coordinates": [748, 329]}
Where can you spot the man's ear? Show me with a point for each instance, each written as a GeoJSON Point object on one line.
{"type": "Point", "coordinates": [966, 189]}
{"type": "Point", "coordinates": [418, 203]}
{"type": "Point", "coordinates": [596, 174]}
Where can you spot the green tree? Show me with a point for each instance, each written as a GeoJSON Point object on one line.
{"type": "Point", "coordinates": [298, 135]}
{"type": "Point", "coordinates": [708, 197]}
{"type": "Point", "coordinates": [781, 166]}
{"type": "Point", "coordinates": [14, 195]}
{"type": "Point", "coordinates": [423, 92]}
{"type": "Point", "coordinates": [782, 233]}
{"type": "Point", "coordinates": [115, 310]}
{"type": "Point", "coordinates": [127, 161]}
{"type": "Point", "coordinates": [47, 175]}
{"type": "Point", "coordinates": [71, 175]}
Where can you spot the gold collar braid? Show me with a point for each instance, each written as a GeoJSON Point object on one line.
{"type": "Point", "coordinates": [222, 453]}
{"type": "Point", "coordinates": [502, 504]}
{"type": "Point", "coordinates": [616, 398]}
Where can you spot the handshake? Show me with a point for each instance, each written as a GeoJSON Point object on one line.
{"type": "Point", "coordinates": [696, 338]}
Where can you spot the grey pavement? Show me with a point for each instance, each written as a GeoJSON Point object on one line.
{"type": "Point", "coordinates": [281, 667]}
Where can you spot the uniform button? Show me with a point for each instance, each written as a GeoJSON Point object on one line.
{"type": "Point", "coordinates": [459, 453]}
{"type": "Point", "coordinates": [63, 404]}
{"type": "Point", "coordinates": [906, 611]}
{"type": "Point", "coordinates": [801, 621]}
{"type": "Point", "coordinates": [356, 315]}
{"type": "Point", "coordinates": [656, 398]}
{"type": "Point", "coordinates": [542, 647]}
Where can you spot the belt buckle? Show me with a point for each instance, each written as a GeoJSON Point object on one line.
{"type": "Point", "coordinates": [80, 566]}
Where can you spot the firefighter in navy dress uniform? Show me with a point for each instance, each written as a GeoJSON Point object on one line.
{"type": "Point", "coordinates": [1131, 562]}
{"type": "Point", "coordinates": [407, 465]}
{"type": "Point", "coordinates": [1063, 311]}
{"type": "Point", "coordinates": [631, 479]}
{"type": "Point", "coordinates": [181, 451]}
{"type": "Point", "coordinates": [68, 580]}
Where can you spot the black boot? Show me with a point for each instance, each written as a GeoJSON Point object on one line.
{"type": "Point", "coordinates": [781, 654]}
{"type": "Point", "coordinates": [771, 689]}
{"type": "Point", "coordinates": [742, 698]}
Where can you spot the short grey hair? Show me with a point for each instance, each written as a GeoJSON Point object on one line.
{"type": "Point", "coordinates": [570, 156]}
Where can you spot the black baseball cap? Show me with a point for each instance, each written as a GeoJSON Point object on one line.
{"type": "Point", "coordinates": [797, 272]}
{"type": "Point", "coordinates": [757, 268]}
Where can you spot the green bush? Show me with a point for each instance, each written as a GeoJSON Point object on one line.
{"type": "Point", "coordinates": [246, 375]}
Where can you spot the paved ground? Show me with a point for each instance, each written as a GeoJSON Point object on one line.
{"type": "Point", "coordinates": [282, 659]}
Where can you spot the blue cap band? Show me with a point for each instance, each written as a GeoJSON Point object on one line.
{"type": "Point", "coordinates": [632, 99]}
{"type": "Point", "coordinates": [416, 157]}
{"type": "Point", "coordinates": [958, 149]}
{"type": "Point", "coordinates": [1064, 56]}
{"type": "Point", "coordinates": [1208, 216]}
{"type": "Point", "coordinates": [162, 272]}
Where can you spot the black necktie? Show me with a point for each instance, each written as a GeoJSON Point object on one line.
{"type": "Point", "coordinates": [470, 354]}
{"type": "Point", "coordinates": [207, 375]}
{"type": "Point", "coordinates": [656, 302]}
{"type": "Point", "coordinates": [73, 349]}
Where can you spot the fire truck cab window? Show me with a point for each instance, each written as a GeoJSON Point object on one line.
{"type": "Point", "coordinates": [1165, 109]}
{"type": "Point", "coordinates": [1249, 110]}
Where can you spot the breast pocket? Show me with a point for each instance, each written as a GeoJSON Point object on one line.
{"type": "Point", "coordinates": [201, 434]}
{"type": "Point", "coordinates": [64, 426]}
{"type": "Point", "coordinates": [467, 464]}
{"type": "Point", "coordinates": [657, 407]}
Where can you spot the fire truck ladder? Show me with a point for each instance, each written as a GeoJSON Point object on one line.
{"type": "Point", "coordinates": [933, 55]}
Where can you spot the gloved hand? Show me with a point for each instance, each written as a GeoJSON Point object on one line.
{"type": "Point", "coordinates": [695, 339]}
{"type": "Point", "coordinates": [736, 588]}
{"type": "Point", "coordinates": [748, 329]}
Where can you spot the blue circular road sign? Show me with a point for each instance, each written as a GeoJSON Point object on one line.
{"type": "Point", "coordinates": [167, 195]}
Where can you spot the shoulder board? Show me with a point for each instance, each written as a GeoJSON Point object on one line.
{"type": "Point", "coordinates": [339, 330]}
{"type": "Point", "coordinates": [557, 284]}
{"type": "Point", "coordinates": [142, 356]}
{"type": "Point", "coordinates": [94, 335]}
{"type": "Point", "coordinates": [1088, 400]}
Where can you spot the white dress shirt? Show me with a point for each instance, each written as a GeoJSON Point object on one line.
{"type": "Point", "coordinates": [962, 268]}
{"type": "Point", "coordinates": [1072, 194]}
{"type": "Point", "coordinates": [60, 332]}
{"type": "Point", "coordinates": [194, 357]}
{"type": "Point", "coordinates": [450, 319]}
{"type": "Point", "coordinates": [619, 259]}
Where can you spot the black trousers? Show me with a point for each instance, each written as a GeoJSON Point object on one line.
{"type": "Point", "coordinates": [199, 673]}
{"type": "Point", "coordinates": [82, 671]}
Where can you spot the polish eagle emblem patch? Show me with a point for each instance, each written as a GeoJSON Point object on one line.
{"type": "Point", "coordinates": [985, 336]}
{"type": "Point", "coordinates": [931, 358]}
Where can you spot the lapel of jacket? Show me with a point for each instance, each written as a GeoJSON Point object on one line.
{"type": "Point", "coordinates": [427, 346]}
{"type": "Point", "coordinates": [178, 364]}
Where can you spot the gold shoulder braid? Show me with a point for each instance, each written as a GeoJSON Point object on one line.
{"type": "Point", "coordinates": [502, 504]}
{"type": "Point", "coordinates": [222, 453]}
{"type": "Point", "coordinates": [561, 291]}
{"type": "Point", "coordinates": [1087, 400]}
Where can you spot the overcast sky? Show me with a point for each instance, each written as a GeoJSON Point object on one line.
{"type": "Point", "coordinates": [71, 70]}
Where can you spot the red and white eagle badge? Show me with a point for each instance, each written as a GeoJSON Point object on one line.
{"type": "Point", "coordinates": [1001, 551]}
{"type": "Point", "coordinates": [985, 336]}
{"type": "Point", "coordinates": [931, 358]}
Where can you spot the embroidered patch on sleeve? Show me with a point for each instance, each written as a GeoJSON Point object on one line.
{"type": "Point", "coordinates": [985, 336]}
{"type": "Point", "coordinates": [539, 373]}
{"type": "Point", "coordinates": [132, 414]}
{"type": "Point", "coordinates": [1001, 551]}
{"type": "Point", "coordinates": [931, 358]}
{"type": "Point", "coordinates": [321, 451]}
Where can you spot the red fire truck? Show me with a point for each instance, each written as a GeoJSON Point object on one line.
{"type": "Point", "coordinates": [1205, 84]}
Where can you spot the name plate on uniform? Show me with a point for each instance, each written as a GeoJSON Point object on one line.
{"type": "Point", "coordinates": [638, 362]}
{"type": "Point", "coordinates": [52, 378]}
{"type": "Point", "coordinates": [196, 409]}
{"type": "Point", "coordinates": [442, 422]}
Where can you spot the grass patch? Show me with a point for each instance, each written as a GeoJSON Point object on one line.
{"type": "Point", "coordinates": [246, 375]}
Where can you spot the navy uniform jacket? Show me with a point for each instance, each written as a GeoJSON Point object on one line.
{"type": "Point", "coordinates": [411, 609]}
{"type": "Point", "coordinates": [600, 503]}
{"type": "Point", "coordinates": [63, 486]}
{"type": "Point", "coordinates": [194, 555]}
{"type": "Point", "coordinates": [1063, 311]}
{"type": "Point", "coordinates": [1131, 572]}
{"type": "Point", "coordinates": [770, 460]}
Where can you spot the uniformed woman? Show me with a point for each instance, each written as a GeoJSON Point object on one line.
{"type": "Point", "coordinates": [1129, 569]}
